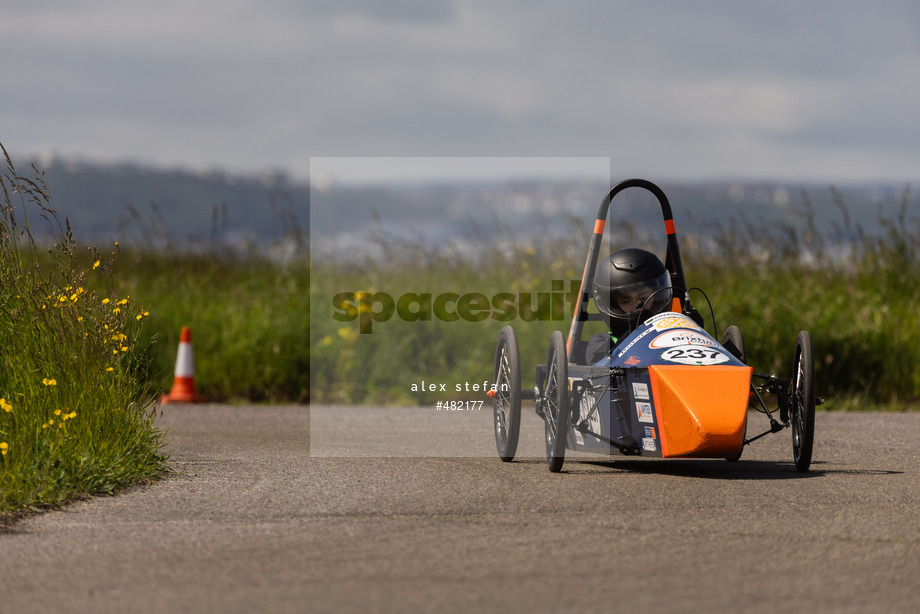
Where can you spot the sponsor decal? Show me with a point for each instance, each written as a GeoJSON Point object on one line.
{"type": "Point", "coordinates": [644, 411]}
{"type": "Point", "coordinates": [640, 391]}
{"type": "Point", "coordinates": [669, 320]}
{"type": "Point", "coordinates": [632, 361]}
{"type": "Point", "coordinates": [681, 337]}
{"type": "Point", "coordinates": [585, 413]}
{"type": "Point", "coordinates": [648, 444]}
{"type": "Point", "coordinates": [694, 355]}
{"type": "Point", "coordinates": [594, 421]}
{"type": "Point", "coordinates": [583, 408]}
{"type": "Point", "coordinates": [650, 432]}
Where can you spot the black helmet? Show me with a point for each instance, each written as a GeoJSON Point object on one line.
{"type": "Point", "coordinates": [630, 283]}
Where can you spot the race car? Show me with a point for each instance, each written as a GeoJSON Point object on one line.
{"type": "Point", "coordinates": [667, 389]}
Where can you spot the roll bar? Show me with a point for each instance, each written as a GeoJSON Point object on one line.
{"type": "Point", "coordinates": [672, 259]}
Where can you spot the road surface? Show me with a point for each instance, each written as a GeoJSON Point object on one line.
{"type": "Point", "coordinates": [407, 509]}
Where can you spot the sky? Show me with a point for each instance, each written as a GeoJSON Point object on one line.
{"type": "Point", "coordinates": [824, 90]}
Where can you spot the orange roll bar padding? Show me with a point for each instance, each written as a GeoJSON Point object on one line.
{"type": "Point", "coordinates": [599, 227]}
{"type": "Point", "coordinates": [669, 227]}
{"type": "Point", "coordinates": [701, 411]}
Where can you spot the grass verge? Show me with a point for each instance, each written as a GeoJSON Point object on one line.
{"type": "Point", "coordinates": [75, 417]}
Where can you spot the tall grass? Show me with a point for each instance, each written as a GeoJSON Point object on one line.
{"type": "Point", "coordinates": [249, 317]}
{"type": "Point", "coordinates": [263, 326]}
{"type": "Point", "coordinates": [856, 294]}
{"type": "Point", "coordinates": [74, 416]}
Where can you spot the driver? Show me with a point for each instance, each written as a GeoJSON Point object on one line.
{"type": "Point", "coordinates": [630, 286]}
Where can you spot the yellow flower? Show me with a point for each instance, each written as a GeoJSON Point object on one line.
{"type": "Point", "coordinates": [116, 310]}
{"type": "Point", "coordinates": [96, 264]}
{"type": "Point", "coordinates": [49, 381]}
{"type": "Point", "coordinates": [105, 301]}
{"type": "Point", "coordinates": [5, 405]}
{"type": "Point", "coordinates": [4, 448]}
{"type": "Point", "coordinates": [348, 333]}
{"type": "Point", "coordinates": [57, 412]}
{"type": "Point", "coordinates": [72, 414]}
{"type": "Point", "coordinates": [123, 301]}
{"type": "Point", "coordinates": [109, 369]}
{"type": "Point", "coordinates": [80, 319]}
{"type": "Point", "coordinates": [138, 317]}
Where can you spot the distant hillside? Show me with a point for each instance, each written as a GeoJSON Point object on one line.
{"type": "Point", "coordinates": [343, 217]}
{"type": "Point", "coordinates": [128, 202]}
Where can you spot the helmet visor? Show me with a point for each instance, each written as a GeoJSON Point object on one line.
{"type": "Point", "coordinates": [645, 298]}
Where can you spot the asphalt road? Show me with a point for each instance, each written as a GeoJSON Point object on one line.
{"type": "Point", "coordinates": [406, 510]}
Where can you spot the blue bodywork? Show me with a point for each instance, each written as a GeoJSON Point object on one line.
{"type": "Point", "coordinates": [616, 410]}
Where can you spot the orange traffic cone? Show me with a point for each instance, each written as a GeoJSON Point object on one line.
{"type": "Point", "coordinates": [183, 390]}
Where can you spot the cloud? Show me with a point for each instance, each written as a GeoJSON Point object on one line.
{"type": "Point", "coordinates": [823, 89]}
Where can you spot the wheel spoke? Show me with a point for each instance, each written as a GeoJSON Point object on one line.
{"type": "Point", "coordinates": [550, 395]}
{"type": "Point", "coordinates": [506, 394]}
{"type": "Point", "coordinates": [803, 404]}
{"type": "Point", "coordinates": [504, 402]}
{"type": "Point", "coordinates": [555, 403]}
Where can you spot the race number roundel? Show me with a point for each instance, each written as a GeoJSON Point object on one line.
{"type": "Point", "coordinates": [694, 355]}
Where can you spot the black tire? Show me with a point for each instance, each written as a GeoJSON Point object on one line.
{"type": "Point", "coordinates": [556, 402]}
{"type": "Point", "coordinates": [734, 343]}
{"type": "Point", "coordinates": [802, 401]}
{"type": "Point", "coordinates": [506, 404]}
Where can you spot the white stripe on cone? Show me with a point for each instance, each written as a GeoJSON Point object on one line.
{"type": "Point", "coordinates": [183, 390]}
{"type": "Point", "coordinates": [185, 361]}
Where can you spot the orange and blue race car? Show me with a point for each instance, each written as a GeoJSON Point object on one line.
{"type": "Point", "coordinates": [665, 388]}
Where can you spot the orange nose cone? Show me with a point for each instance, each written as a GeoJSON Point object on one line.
{"type": "Point", "coordinates": [702, 411]}
{"type": "Point", "coordinates": [491, 394]}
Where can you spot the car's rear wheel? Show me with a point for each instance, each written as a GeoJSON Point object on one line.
{"type": "Point", "coordinates": [506, 401]}
{"type": "Point", "coordinates": [556, 402]}
{"type": "Point", "coordinates": [802, 401]}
